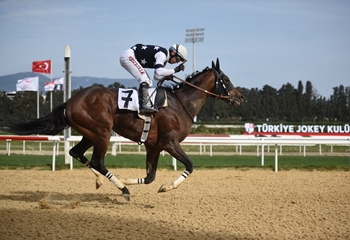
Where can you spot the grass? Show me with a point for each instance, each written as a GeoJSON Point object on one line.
{"type": "Point", "coordinates": [44, 162]}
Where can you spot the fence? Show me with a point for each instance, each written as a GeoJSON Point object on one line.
{"type": "Point", "coordinates": [203, 142]}
{"type": "Point", "coordinates": [238, 140]}
{"type": "Point", "coordinates": [54, 139]}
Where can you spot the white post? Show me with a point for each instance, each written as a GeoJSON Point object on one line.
{"type": "Point", "coordinates": [211, 149]}
{"type": "Point", "coordinates": [276, 158]}
{"type": "Point", "coordinates": [114, 149]}
{"type": "Point", "coordinates": [54, 150]}
{"type": "Point", "coordinates": [8, 146]}
{"type": "Point", "coordinates": [67, 95]}
{"type": "Point", "coordinates": [320, 149]}
{"type": "Point", "coordinates": [174, 163]}
{"type": "Point", "coordinates": [262, 155]}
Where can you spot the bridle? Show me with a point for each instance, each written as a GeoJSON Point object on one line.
{"type": "Point", "coordinates": [218, 84]}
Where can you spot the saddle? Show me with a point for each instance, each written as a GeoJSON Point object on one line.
{"type": "Point", "coordinates": [128, 98]}
{"type": "Point", "coordinates": [161, 98]}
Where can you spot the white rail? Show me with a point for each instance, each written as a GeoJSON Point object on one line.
{"type": "Point", "coordinates": [201, 141]}
{"type": "Point", "coordinates": [54, 139]}
{"type": "Point", "coordinates": [243, 140]}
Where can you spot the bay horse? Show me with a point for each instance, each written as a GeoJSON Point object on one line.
{"type": "Point", "coordinates": [93, 112]}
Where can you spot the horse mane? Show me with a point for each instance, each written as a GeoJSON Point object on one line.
{"type": "Point", "coordinates": [195, 74]}
{"type": "Point", "coordinates": [191, 78]}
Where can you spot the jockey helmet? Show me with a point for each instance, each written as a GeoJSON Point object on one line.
{"type": "Point", "coordinates": [180, 50]}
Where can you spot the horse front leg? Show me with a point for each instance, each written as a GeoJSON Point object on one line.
{"type": "Point", "coordinates": [152, 158]}
{"type": "Point", "coordinates": [78, 151]}
{"type": "Point", "coordinates": [176, 151]}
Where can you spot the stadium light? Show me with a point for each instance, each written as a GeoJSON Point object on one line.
{"type": "Point", "coordinates": [194, 35]}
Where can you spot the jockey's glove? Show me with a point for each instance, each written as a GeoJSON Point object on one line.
{"type": "Point", "coordinates": [179, 68]}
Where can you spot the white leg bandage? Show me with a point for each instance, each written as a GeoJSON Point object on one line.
{"type": "Point", "coordinates": [115, 180]}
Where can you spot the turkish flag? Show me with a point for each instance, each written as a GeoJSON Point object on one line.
{"type": "Point", "coordinates": [42, 66]}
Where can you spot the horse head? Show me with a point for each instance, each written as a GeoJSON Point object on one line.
{"type": "Point", "coordinates": [224, 87]}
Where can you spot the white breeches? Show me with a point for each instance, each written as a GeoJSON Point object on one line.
{"type": "Point", "coordinates": [128, 61]}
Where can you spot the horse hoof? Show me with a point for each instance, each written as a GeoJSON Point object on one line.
{"type": "Point", "coordinates": [99, 182]}
{"type": "Point", "coordinates": [162, 188]}
{"type": "Point", "coordinates": [126, 193]}
{"type": "Point", "coordinates": [126, 197]}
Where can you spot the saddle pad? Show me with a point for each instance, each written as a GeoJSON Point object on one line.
{"type": "Point", "coordinates": [129, 99]}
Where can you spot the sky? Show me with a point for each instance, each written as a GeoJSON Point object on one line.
{"type": "Point", "coordinates": [258, 42]}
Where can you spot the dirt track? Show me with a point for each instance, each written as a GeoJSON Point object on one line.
{"type": "Point", "coordinates": [210, 204]}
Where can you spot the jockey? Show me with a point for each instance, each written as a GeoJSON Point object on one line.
{"type": "Point", "coordinates": [141, 56]}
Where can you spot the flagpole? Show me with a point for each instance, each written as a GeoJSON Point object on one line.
{"type": "Point", "coordinates": [51, 91]}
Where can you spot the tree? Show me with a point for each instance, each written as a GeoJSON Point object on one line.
{"type": "Point", "coordinates": [339, 103]}
{"type": "Point", "coordinates": [5, 105]}
{"type": "Point", "coordinates": [308, 96]}
{"type": "Point", "coordinates": [269, 107]}
{"type": "Point", "coordinates": [300, 101]}
{"type": "Point", "coordinates": [116, 85]}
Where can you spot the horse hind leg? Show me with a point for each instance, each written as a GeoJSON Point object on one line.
{"type": "Point", "coordinates": [78, 151]}
{"type": "Point", "coordinates": [117, 182]}
{"type": "Point", "coordinates": [97, 163]}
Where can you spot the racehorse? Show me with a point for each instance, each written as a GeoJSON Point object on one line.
{"type": "Point", "coordinates": [93, 112]}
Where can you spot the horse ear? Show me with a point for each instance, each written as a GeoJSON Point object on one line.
{"type": "Point", "coordinates": [212, 64]}
{"type": "Point", "coordinates": [217, 65]}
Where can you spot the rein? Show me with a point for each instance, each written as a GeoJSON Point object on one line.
{"type": "Point", "coordinates": [203, 90]}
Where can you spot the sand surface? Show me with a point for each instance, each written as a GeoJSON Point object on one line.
{"type": "Point", "coordinates": [210, 204]}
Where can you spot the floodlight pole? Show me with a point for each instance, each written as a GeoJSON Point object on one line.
{"type": "Point", "coordinates": [194, 35]}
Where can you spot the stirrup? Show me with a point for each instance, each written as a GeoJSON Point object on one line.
{"type": "Point", "coordinates": [147, 111]}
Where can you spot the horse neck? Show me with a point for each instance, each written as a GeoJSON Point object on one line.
{"type": "Point", "coordinates": [194, 98]}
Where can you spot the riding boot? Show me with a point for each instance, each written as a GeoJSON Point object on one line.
{"type": "Point", "coordinates": [144, 101]}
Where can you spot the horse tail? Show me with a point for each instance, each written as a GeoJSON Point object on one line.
{"type": "Point", "coordinates": [51, 124]}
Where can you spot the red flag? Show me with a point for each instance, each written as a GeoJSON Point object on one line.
{"type": "Point", "coordinates": [42, 66]}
